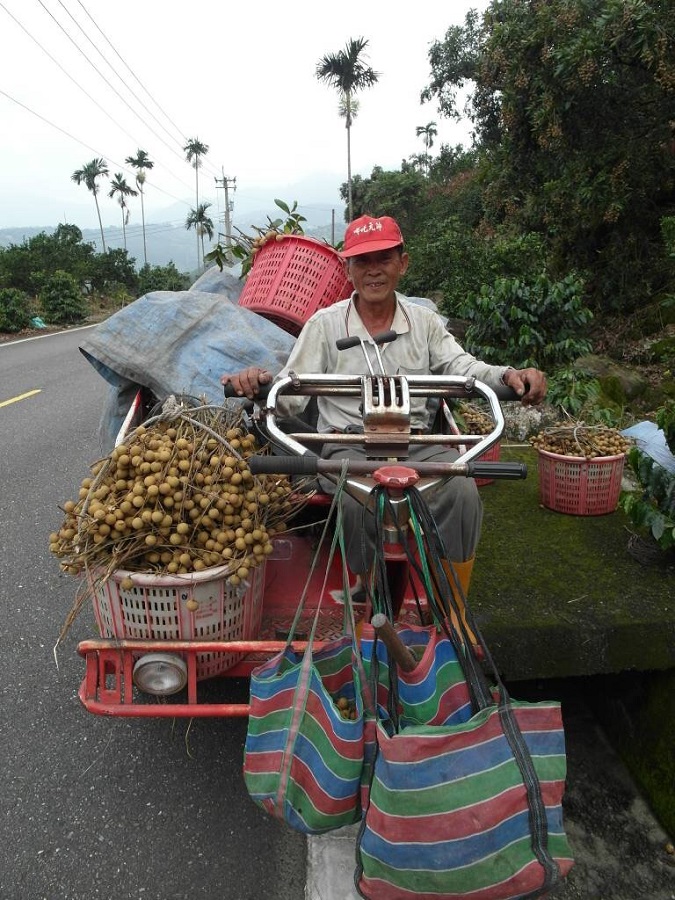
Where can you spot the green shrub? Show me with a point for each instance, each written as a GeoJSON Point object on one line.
{"type": "Point", "coordinates": [61, 300]}
{"type": "Point", "coordinates": [652, 507]}
{"type": "Point", "coordinates": [162, 278]}
{"type": "Point", "coordinates": [538, 323]}
{"type": "Point", "coordinates": [572, 390]}
{"type": "Point", "coordinates": [665, 419]}
{"type": "Point", "coordinates": [14, 310]}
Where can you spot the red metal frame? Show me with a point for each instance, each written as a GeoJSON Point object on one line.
{"type": "Point", "coordinates": [107, 687]}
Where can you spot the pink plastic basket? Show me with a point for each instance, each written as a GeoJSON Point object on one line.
{"type": "Point", "coordinates": [155, 608]}
{"type": "Point", "coordinates": [578, 486]}
{"type": "Point", "coordinates": [491, 455]}
{"type": "Point", "coordinates": [292, 278]}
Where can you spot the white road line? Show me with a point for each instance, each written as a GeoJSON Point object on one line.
{"type": "Point", "coordinates": [39, 337]}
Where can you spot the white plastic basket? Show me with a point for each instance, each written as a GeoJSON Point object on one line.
{"type": "Point", "coordinates": [155, 608]}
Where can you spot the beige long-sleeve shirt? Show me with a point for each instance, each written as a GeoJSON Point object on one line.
{"type": "Point", "coordinates": [423, 347]}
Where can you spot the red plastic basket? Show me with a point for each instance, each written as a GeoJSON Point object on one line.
{"type": "Point", "coordinates": [578, 486]}
{"type": "Point", "coordinates": [292, 278]}
{"type": "Point", "coordinates": [491, 455]}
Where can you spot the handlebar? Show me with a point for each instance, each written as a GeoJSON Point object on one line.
{"type": "Point", "coordinates": [313, 465]}
{"type": "Point", "coordinates": [504, 393]}
{"type": "Point", "coordinates": [386, 434]}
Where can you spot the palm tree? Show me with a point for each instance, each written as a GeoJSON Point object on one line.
{"type": "Point", "coordinates": [119, 186]}
{"type": "Point", "coordinates": [429, 132]}
{"type": "Point", "coordinates": [347, 72]}
{"type": "Point", "coordinates": [87, 175]}
{"type": "Point", "coordinates": [141, 162]}
{"type": "Point", "coordinates": [202, 225]}
{"type": "Point", "coordinates": [194, 150]}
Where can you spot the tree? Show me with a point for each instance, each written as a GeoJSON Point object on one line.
{"type": "Point", "coordinates": [347, 72]}
{"type": "Point", "coordinates": [162, 278]}
{"type": "Point", "coordinates": [574, 104]}
{"type": "Point", "coordinates": [194, 150]}
{"type": "Point", "coordinates": [428, 132]}
{"type": "Point", "coordinates": [398, 194]}
{"type": "Point", "coordinates": [87, 175]}
{"type": "Point", "coordinates": [202, 225]}
{"type": "Point", "coordinates": [119, 186]}
{"type": "Point", "coordinates": [26, 266]}
{"type": "Point", "coordinates": [141, 162]}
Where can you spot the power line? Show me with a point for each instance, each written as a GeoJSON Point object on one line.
{"type": "Point", "coordinates": [183, 138]}
{"type": "Point", "coordinates": [79, 86]}
{"type": "Point", "coordinates": [133, 74]}
{"type": "Point", "coordinates": [98, 72]}
{"type": "Point", "coordinates": [104, 111]}
{"type": "Point", "coordinates": [77, 140]}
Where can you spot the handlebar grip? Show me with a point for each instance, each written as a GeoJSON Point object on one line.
{"type": "Point", "coordinates": [347, 343]}
{"type": "Point", "coordinates": [506, 393]}
{"type": "Point", "coordinates": [283, 465]}
{"type": "Point", "coordinates": [229, 392]}
{"type": "Point", "coordinates": [385, 337]}
{"type": "Point", "coordinates": [503, 470]}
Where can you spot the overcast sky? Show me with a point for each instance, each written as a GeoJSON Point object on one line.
{"type": "Point", "coordinates": [81, 79]}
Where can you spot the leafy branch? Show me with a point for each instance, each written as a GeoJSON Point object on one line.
{"type": "Point", "coordinates": [245, 246]}
{"type": "Point", "coordinates": [653, 507]}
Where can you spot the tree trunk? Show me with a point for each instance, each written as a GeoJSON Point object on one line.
{"type": "Point", "coordinates": [145, 249]}
{"type": "Point", "coordinates": [349, 171]}
{"type": "Point", "coordinates": [197, 208]}
{"type": "Point", "coordinates": [100, 223]}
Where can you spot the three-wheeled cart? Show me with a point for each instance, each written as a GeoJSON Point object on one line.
{"type": "Point", "coordinates": [163, 638]}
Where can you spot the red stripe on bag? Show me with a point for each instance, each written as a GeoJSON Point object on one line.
{"type": "Point", "coordinates": [258, 763]}
{"type": "Point", "coordinates": [397, 749]}
{"type": "Point", "coordinates": [278, 702]}
{"type": "Point", "coordinates": [303, 776]}
{"type": "Point", "coordinates": [460, 823]}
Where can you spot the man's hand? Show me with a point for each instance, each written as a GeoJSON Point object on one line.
{"type": "Point", "coordinates": [247, 382]}
{"type": "Point", "coordinates": [529, 384]}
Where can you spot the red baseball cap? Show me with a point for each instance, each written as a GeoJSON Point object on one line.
{"type": "Point", "coordinates": [368, 234]}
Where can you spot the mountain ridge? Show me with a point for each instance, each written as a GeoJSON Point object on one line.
{"type": "Point", "coordinates": [168, 241]}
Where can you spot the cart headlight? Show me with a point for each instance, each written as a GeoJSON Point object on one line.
{"type": "Point", "coordinates": [160, 673]}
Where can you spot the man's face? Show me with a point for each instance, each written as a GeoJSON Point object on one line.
{"type": "Point", "coordinates": [375, 276]}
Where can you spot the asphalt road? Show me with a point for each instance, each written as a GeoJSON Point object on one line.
{"type": "Point", "coordinates": [97, 807]}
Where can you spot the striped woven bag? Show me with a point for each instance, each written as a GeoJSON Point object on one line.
{"type": "Point", "coordinates": [303, 761]}
{"type": "Point", "coordinates": [435, 692]}
{"type": "Point", "coordinates": [451, 814]}
{"type": "Point", "coordinates": [469, 808]}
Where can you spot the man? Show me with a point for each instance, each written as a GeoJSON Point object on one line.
{"type": "Point", "coordinates": [376, 260]}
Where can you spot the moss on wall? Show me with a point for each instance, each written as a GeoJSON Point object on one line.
{"type": "Point", "coordinates": [559, 595]}
{"type": "Point", "coordinates": [637, 711]}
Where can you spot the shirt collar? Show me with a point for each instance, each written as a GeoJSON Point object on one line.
{"type": "Point", "coordinates": [354, 325]}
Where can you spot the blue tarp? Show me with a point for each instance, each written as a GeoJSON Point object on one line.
{"type": "Point", "coordinates": [651, 440]}
{"type": "Point", "coordinates": [180, 342]}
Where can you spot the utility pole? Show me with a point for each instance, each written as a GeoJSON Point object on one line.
{"type": "Point", "coordinates": [226, 183]}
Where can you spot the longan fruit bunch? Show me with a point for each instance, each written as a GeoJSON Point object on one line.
{"type": "Point", "coordinates": [175, 499]}
{"type": "Point", "coordinates": [589, 441]}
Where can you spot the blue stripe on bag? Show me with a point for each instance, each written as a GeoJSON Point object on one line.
{"type": "Point", "coordinates": [465, 763]}
{"type": "Point", "coordinates": [441, 855]}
